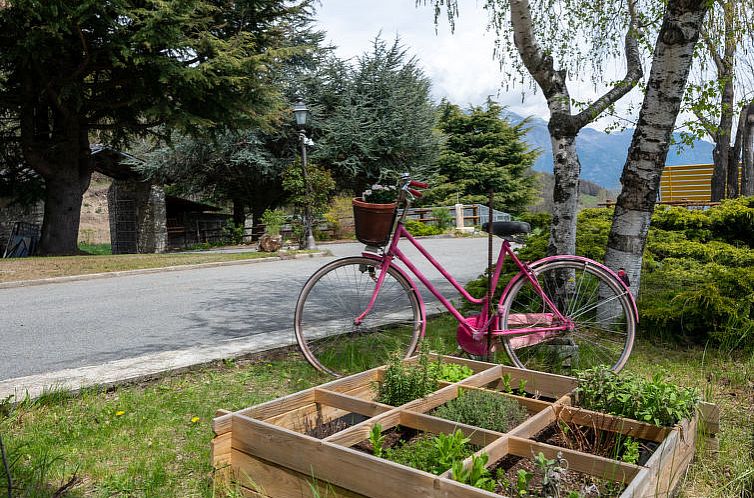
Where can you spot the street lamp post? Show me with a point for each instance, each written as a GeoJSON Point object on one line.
{"type": "Point", "coordinates": [301, 112]}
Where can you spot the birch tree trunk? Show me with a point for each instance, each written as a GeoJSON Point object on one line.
{"type": "Point", "coordinates": [747, 152]}
{"type": "Point", "coordinates": [564, 126]}
{"type": "Point", "coordinates": [673, 55]}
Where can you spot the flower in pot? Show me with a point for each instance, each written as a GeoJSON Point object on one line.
{"type": "Point", "coordinates": [374, 213]}
{"type": "Point", "coordinates": [272, 241]}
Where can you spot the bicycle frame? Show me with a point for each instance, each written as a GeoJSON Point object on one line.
{"type": "Point", "coordinates": [541, 333]}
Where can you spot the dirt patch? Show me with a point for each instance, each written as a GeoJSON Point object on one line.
{"type": "Point", "coordinates": [95, 221]}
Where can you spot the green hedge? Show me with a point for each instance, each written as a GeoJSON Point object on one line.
{"type": "Point", "coordinates": [698, 270]}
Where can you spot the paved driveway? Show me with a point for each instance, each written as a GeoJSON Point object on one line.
{"type": "Point", "coordinates": [69, 325]}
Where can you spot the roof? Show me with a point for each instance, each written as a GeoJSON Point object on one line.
{"type": "Point", "coordinates": [114, 163]}
{"type": "Point", "coordinates": [178, 204]}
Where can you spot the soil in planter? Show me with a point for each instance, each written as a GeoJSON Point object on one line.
{"type": "Point", "coordinates": [598, 442]}
{"type": "Point", "coordinates": [326, 429]}
{"type": "Point", "coordinates": [506, 473]}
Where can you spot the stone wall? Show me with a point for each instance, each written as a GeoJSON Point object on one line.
{"type": "Point", "coordinates": [137, 217]}
{"type": "Point", "coordinates": [11, 212]}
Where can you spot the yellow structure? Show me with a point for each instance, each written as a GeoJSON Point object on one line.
{"type": "Point", "coordinates": [686, 183]}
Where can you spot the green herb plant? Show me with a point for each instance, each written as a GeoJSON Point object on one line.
{"type": "Point", "coordinates": [655, 401]}
{"type": "Point", "coordinates": [452, 372]}
{"type": "Point", "coordinates": [376, 439]}
{"type": "Point", "coordinates": [484, 409]}
{"type": "Point", "coordinates": [476, 475]}
{"type": "Point", "coordinates": [405, 382]}
{"type": "Point", "coordinates": [434, 454]}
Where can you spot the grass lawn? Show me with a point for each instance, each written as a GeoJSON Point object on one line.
{"type": "Point", "coordinates": [153, 439]}
{"type": "Point", "coordinates": [16, 269]}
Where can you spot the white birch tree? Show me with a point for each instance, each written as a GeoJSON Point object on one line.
{"type": "Point", "coordinates": [551, 42]}
{"type": "Point", "coordinates": [671, 63]}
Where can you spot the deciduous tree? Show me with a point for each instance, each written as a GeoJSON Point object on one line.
{"type": "Point", "coordinates": [542, 39]}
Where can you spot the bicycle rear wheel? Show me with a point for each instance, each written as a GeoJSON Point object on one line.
{"type": "Point", "coordinates": [595, 301]}
{"type": "Point", "coordinates": [338, 293]}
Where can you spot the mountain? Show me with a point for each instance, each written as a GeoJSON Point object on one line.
{"type": "Point", "coordinates": [603, 155]}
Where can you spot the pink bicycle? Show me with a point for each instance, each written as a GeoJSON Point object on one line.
{"type": "Point", "coordinates": [555, 315]}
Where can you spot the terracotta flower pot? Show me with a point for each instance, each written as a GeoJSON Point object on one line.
{"type": "Point", "coordinates": [373, 221]}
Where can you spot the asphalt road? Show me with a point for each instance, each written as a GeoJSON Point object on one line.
{"type": "Point", "coordinates": [57, 326]}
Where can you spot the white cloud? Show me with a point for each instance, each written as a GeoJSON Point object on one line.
{"type": "Point", "coordinates": [460, 65]}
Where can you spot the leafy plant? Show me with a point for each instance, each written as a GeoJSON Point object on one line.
{"type": "Point", "coordinates": [453, 372]}
{"type": "Point", "coordinates": [273, 220]}
{"type": "Point", "coordinates": [477, 475]}
{"type": "Point", "coordinates": [654, 401]}
{"type": "Point", "coordinates": [434, 454]}
{"type": "Point", "coordinates": [553, 472]}
{"type": "Point", "coordinates": [484, 409]}
{"type": "Point", "coordinates": [404, 382]}
{"type": "Point", "coordinates": [523, 478]}
{"type": "Point", "coordinates": [630, 450]}
{"type": "Point", "coordinates": [376, 439]}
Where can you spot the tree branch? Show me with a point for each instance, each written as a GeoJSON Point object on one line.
{"type": "Point", "coordinates": [634, 73]}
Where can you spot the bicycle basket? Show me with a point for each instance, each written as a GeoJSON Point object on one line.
{"type": "Point", "coordinates": [373, 222]}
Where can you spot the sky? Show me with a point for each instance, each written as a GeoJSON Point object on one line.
{"type": "Point", "coordinates": [460, 64]}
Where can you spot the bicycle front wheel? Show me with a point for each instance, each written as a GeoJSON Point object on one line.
{"type": "Point", "coordinates": [338, 293]}
{"type": "Point", "coordinates": [597, 304]}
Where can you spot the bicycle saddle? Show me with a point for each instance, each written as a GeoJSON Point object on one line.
{"type": "Point", "coordinates": [506, 228]}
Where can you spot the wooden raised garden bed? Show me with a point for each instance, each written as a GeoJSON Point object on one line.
{"type": "Point", "coordinates": [312, 443]}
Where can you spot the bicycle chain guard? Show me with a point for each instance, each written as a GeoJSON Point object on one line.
{"type": "Point", "coordinates": [476, 347]}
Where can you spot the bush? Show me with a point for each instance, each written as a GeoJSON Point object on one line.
{"type": "Point", "coordinates": [483, 409]}
{"type": "Point", "coordinates": [419, 229]}
{"type": "Point", "coordinates": [443, 218]}
{"type": "Point", "coordinates": [273, 220]}
{"type": "Point", "coordinates": [654, 401]}
{"type": "Point", "coordinates": [340, 217]}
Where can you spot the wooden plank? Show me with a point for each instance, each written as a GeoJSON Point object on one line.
{"type": "Point", "coordinates": [221, 425]}
{"type": "Point", "coordinates": [613, 423]}
{"type": "Point", "coordinates": [538, 383]}
{"type": "Point", "coordinates": [356, 381]}
{"type": "Point", "coordinates": [638, 484]}
{"type": "Point", "coordinates": [307, 417]}
{"type": "Point", "coordinates": [366, 474]}
{"type": "Point", "coordinates": [359, 432]}
{"type": "Point", "coordinates": [220, 450]}
{"type": "Point", "coordinates": [536, 423]}
{"type": "Point", "coordinates": [670, 460]}
{"type": "Point", "coordinates": [593, 465]}
{"type": "Point", "coordinates": [350, 403]}
{"type": "Point", "coordinates": [435, 425]}
{"type": "Point", "coordinates": [709, 418]}
{"type": "Point", "coordinates": [475, 365]}
{"type": "Point", "coordinates": [269, 479]}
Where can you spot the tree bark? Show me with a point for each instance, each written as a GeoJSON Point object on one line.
{"type": "Point", "coordinates": [564, 126]}
{"type": "Point", "coordinates": [747, 152]}
{"type": "Point", "coordinates": [64, 187]}
{"type": "Point", "coordinates": [722, 186]}
{"type": "Point", "coordinates": [239, 212]}
{"type": "Point", "coordinates": [673, 55]}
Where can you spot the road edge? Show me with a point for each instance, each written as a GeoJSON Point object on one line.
{"type": "Point", "coordinates": [145, 271]}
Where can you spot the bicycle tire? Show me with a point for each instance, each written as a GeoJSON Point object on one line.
{"type": "Point", "coordinates": [339, 292]}
{"type": "Point", "coordinates": [593, 298]}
